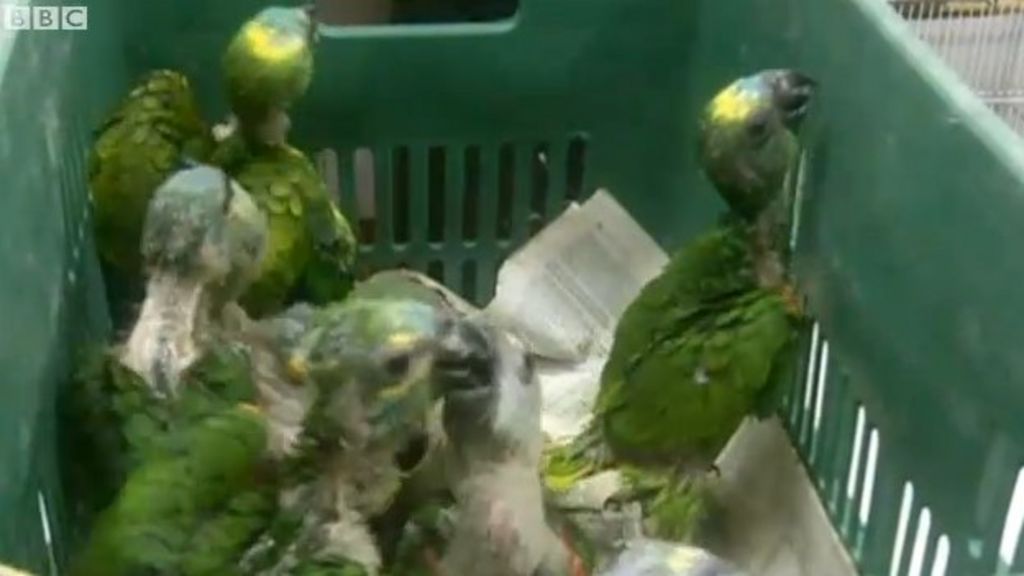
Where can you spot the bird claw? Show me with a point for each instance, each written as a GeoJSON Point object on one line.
{"type": "Point", "coordinates": [795, 300]}
{"type": "Point", "coordinates": [715, 470]}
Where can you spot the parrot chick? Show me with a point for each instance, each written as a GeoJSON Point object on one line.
{"type": "Point", "coordinates": [202, 242]}
{"type": "Point", "coordinates": [709, 340]}
{"type": "Point", "coordinates": [492, 421]}
{"type": "Point", "coordinates": [268, 65]}
{"type": "Point", "coordinates": [371, 364]}
{"type": "Point", "coordinates": [155, 127]}
{"type": "Point", "coordinates": [705, 343]}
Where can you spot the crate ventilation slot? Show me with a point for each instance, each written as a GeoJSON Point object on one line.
{"type": "Point", "coordinates": [834, 432]}
{"type": "Point", "coordinates": [1008, 544]}
{"type": "Point", "coordinates": [453, 211]}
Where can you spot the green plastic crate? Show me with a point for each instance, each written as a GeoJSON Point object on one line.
{"type": "Point", "coordinates": [912, 214]}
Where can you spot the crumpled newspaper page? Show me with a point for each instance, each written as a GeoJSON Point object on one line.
{"type": "Point", "coordinates": [562, 295]}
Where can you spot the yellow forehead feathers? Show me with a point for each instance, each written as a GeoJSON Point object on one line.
{"type": "Point", "coordinates": [269, 44]}
{"type": "Point", "coordinates": [402, 339]}
{"type": "Point", "coordinates": [732, 104]}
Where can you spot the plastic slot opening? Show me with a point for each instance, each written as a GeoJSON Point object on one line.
{"type": "Point", "coordinates": [924, 526]}
{"type": "Point", "coordinates": [858, 445]}
{"type": "Point", "coordinates": [1014, 523]}
{"type": "Point", "coordinates": [941, 562]}
{"type": "Point", "coordinates": [471, 197]}
{"type": "Point", "coordinates": [365, 194]}
{"type": "Point", "coordinates": [469, 278]}
{"type": "Point", "coordinates": [575, 165]}
{"type": "Point", "coordinates": [901, 529]}
{"type": "Point", "coordinates": [44, 521]}
{"type": "Point", "coordinates": [435, 269]}
{"type": "Point", "coordinates": [435, 191]}
{"type": "Point", "coordinates": [540, 181]}
{"type": "Point", "coordinates": [870, 470]}
{"type": "Point", "coordinates": [506, 190]}
{"type": "Point", "coordinates": [400, 194]}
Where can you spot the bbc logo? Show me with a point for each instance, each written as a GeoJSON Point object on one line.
{"type": "Point", "coordinates": [44, 17]}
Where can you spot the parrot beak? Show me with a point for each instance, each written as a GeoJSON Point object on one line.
{"type": "Point", "coordinates": [298, 369]}
{"type": "Point", "coordinates": [464, 362]}
{"type": "Point", "coordinates": [793, 92]}
{"type": "Point", "coordinates": [314, 24]}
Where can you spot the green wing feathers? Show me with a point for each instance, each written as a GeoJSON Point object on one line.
{"type": "Point", "coordinates": [166, 515]}
{"type": "Point", "coordinates": [157, 125]}
{"type": "Point", "coordinates": [693, 355]}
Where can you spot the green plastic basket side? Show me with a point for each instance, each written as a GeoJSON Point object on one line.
{"type": "Point", "coordinates": [52, 86]}
{"type": "Point", "coordinates": [912, 198]}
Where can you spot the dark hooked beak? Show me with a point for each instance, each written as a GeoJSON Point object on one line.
{"type": "Point", "coordinates": [793, 92]}
{"type": "Point", "coordinates": [465, 359]}
{"type": "Point", "coordinates": [314, 24]}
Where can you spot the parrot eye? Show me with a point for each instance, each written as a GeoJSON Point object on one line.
{"type": "Point", "coordinates": [397, 365]}
{"type": "Point", "coordinates": [757, 129]}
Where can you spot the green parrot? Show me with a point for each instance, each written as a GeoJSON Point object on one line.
{"type": "Point", "coordinates": [202, 241]}
{"type": "Point", "coordinates": [191, 511]}
{"type": "Point", "coordinates": [267, 66]}
{"type": "Point", "coordinates": [708, 341]}
{"type": "Point", "coordinates": [371, 363]}
{"type": "Point", "coordinates": [142, 143]}
{"type": "Point", "coordinates": [312, 249]}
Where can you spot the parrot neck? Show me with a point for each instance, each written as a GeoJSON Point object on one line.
{"type": "Point", "coordinates": [769, 240]}
{"type": "Point", "coordinates": [504, 504]}
{"type": "Point", "coordinates": [162, 343]}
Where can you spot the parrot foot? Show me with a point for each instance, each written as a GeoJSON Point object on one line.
{"type": "Point", "coordinates": [795, 300]}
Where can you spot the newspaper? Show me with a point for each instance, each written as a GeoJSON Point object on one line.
{"type": "Point", "coordinates": [564, 291]}
{"type": "Point", "coordinates": [562, 295]}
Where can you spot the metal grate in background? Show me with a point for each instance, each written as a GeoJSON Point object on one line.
{"type": "Point", "coordinates": [983, 41]}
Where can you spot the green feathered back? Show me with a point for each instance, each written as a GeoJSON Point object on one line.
{"type": "Point", "coordinates": [191, 511]}
{"type": "Point", "coordinates": [693, 354]}
{"type": "Point", "coordinates": [311, 250]}
{"type": "Point", "coordinates": [136, 149]}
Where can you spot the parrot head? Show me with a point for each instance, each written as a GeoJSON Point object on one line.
{"type": "Point", "coordinates": [748, 137]}
{"type": "Point", "coordinates": [372, 362]}
{"type": "Point", "coordinates": [280, 33]}
{"type": "Point", "coordinates": [491, 395]}
{"type": "Point", "coordinates": [200, 224]}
